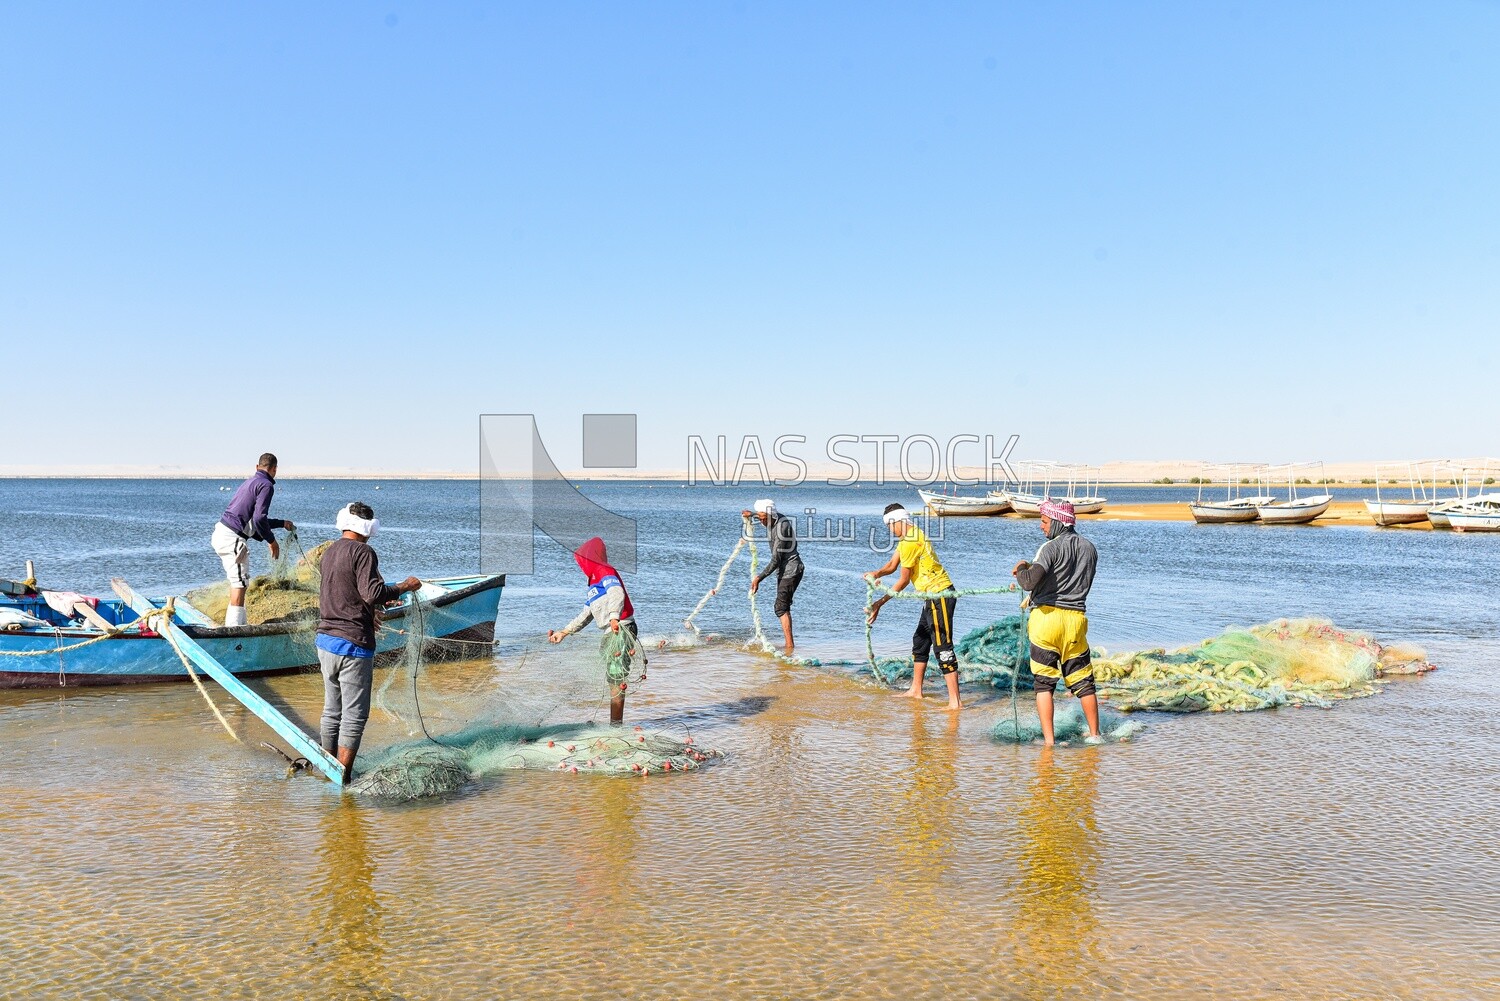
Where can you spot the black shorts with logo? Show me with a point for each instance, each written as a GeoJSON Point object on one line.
{"type": "Point", "coordinates": [935, 633]}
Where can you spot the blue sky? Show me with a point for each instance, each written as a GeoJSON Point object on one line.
{"type": "Point", "coordinates": [1261, 231]}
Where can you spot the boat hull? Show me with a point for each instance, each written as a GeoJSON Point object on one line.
{"type": "Point", "coordinates": [1293, 512]}
{"type": "Point", "coordinates": [948, 507]}
{"type": "Point", "coordinates": [1466, 522]}
{"type": "Point", "coordinates": [464, 619]}
{"type": "Point", "coordinates": [1209, 514]}
{"type": "Point", "coordinates": [1387, 513]}
{"type": "Point", "coordinates": [1027, 505]}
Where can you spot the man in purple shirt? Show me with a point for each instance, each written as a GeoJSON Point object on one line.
{"type": "Point", "coordinates": [246, 518]}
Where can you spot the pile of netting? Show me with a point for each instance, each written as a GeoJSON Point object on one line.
{"type": "Point", "coordinates": [460, 733]}
{"type": "Point", "coordinates": [443, 764]}
{"type": "Point", "coordinates": [1290, 662]}
{"type": "Point", "coordinates": [290, 590]}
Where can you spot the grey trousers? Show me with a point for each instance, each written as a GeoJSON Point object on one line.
{"type": "Point", "coordinates": [346, 698]}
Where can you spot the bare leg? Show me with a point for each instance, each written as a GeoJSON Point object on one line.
{"type": "Point", "coordinates": [786, 631]}
{"type": "Point", "coordinates": [1044, 713]}
{"type": "Point", "coordinates": [1091, 713]}
{"type": "Point", "coordinates": [237, 597]}
{"type": "Point", "coordinates": [952, 679]}
{"type": "Point", "coordinates": [617, 708]}
{"type": "Point", "coordinates": [918, 672]}
{"type": "Point", "coordinates": [346, 758]}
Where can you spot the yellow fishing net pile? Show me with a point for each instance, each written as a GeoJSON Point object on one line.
{"type": "Point", "coordinates": [290, 589]}
{"type": "Point", "coordinates": [1296, 662]}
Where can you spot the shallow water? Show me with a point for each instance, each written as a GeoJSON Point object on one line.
{"type": "Point", "coordinates": [848, 845]}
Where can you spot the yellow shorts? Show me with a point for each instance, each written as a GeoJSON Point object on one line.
{"type": "Point", "coordinates": [1060, 649]}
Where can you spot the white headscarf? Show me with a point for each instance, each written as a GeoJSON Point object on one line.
{"type": "Point", "coordinates": [348, 521]}
{"type": "Point", "coordinates": [766, 507]}
{"type": "Point", "coordinates": [899, 514]}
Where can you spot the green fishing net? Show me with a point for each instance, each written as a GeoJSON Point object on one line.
{"type": "Point", "coordinates": [1068, 726]}
{"type": "Point", "coordinates": [462, 725]}
{"type": "Point", "coordinates": [445, 763]}
{"type": "Point", "coordinates": [1298, 662]}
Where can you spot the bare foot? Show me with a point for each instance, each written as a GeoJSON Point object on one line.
{"type": "Point", "coordinates": [908, 694]}
{"type": "Point", "coordinates": [954, 707]}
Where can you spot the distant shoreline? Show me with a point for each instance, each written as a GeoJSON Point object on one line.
{"type": "Point", "coordinates": [1124, 473]}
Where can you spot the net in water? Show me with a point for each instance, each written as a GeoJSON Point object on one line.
{"type": "Point", "coordinates": [445, 763]}
{"type": "Point", "coordinates": [459, 736]}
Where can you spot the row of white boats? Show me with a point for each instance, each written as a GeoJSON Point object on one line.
{"type": "Point", "coordinates": [1040, 481]}
{"type": "Point", "coordinates": [1028, 505]}
{"type": "Point", "coordinates": [1449, 495]}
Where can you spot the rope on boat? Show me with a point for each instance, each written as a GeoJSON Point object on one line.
{"type": "Point", "coordinates": [141, 624]}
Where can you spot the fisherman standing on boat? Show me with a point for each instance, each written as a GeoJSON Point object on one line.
{"type": "Point", "coordinates": [785, 562]}
{"type": "Point", "coordinates": [1059, 579]}
{"type": "Point", "coordinates": [919, 565]}
{"type": "Point", "coordinates": [246, 518]}
{"type": "Point", "coordinates": [350, 597]}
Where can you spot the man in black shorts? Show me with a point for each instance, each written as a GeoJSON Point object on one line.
{"type": "Point", "coordinates": [919, 566]}
{"type": "Point", "coordinates": [785, 562]}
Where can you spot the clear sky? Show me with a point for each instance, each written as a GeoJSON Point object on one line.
{"type": "Point", "coordinates": [1261, 230]}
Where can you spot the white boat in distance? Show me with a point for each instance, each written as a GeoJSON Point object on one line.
{"type": "Point", "coordinates": [1028, 503]}
{"type": "Point", "coordinates": [1234, 508]}
{"type": "Point", "coordinates": [1409, 510]}
{"type": "Point", "coordinates": [1469, 482]}
{"type": "Point", "coordinates": [950, 505]}
{"type": "Point", "coordinates": [1227, 512]}
{"type": "Point", "coordinates": [1475, 518]}
{"type": "Point", "coordinates": [1296, 510]}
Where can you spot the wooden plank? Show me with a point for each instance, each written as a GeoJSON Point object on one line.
{"type": "Point", "coordinates": [246, 696]}
{"type": "Point", "coordinates": [86, 612]}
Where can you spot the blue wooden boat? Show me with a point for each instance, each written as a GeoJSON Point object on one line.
{"type": "Point", "coordinates": [459, 610]}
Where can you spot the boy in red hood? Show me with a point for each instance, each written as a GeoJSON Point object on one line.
{"type": "Point", "coordinates": [607, 604]}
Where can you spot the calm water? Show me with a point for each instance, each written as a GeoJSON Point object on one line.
{"type": "Point", "coordinates": [848, 846]}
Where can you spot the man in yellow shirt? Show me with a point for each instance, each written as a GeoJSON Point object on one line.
{"type": "Point", "coordinates": [920, 566]}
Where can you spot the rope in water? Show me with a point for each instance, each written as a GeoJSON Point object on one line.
{"type": "Point", "coordinates": [166, 613]}
{"type": "Point", "coordinates": [760, 641]}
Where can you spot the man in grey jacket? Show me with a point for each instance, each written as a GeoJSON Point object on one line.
{"type": "Point", "coordinates": [1059, 579]}
{"type": "Point", "coordinates": [352, 593]}
{"type": "Point", "coordinates": [785, 563]}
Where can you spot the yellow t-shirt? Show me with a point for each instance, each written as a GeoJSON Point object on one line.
{"type": "Point", "coordinates": [927, 573]}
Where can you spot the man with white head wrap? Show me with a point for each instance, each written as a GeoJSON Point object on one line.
{"type": "Point", "coordinates": [351, 594]}
{"type": "Point", "coordinates": [785, 562]}
{"type": "Point", "coordinates": [918, 563]}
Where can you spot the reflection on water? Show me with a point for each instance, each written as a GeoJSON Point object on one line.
{"type": "Point", "coordinates": [346, 923]}
{"type": "Point", "coordinates": [1057, 932]}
